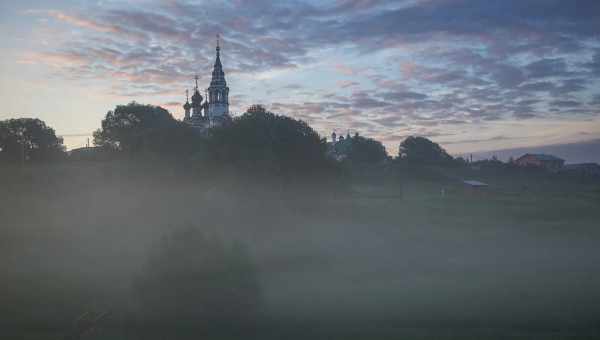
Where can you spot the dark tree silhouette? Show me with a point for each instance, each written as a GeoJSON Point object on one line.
{"type": "Point", "coordinates": [135, 128]}
{"type": "Point", "coordinates": [261, 138]}
{"type": "Point", "coordinates": [194, 278]}
{"type": "Point", "coordinates": [366, 150]}
{"type": "Point", "coordinates": [421, 150]}
{"type": "Point", "coordinates": [28, 139]}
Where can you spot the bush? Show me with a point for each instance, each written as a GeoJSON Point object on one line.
{"type": "Point", "coordinates": [191, 278]}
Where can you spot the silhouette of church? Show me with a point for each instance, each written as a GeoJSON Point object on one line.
{"type": "Point", "coordinates": [340, 147]}
{"type": "Point", "coordinates": [214, 110]}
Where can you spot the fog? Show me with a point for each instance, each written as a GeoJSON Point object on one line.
{"type": "Point", "coordinates": [328, 259]}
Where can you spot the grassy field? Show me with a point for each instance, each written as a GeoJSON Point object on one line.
{"type": "Point", "coordinates": [384, 258]}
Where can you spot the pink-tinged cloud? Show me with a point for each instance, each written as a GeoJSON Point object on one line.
{"type": "Point", "coordinates": [173, 107]}
{"type": "Point", "coordinates": [345, 70]}
{"type": "Point", "coordinates": [53, 59]}
{"type": "Point", "coordinates": [79, 21]}
{"type": "Point", "coordinates": [408, 69]}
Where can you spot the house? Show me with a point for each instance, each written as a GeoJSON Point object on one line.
{"type": "Point", "coordinates": [547, 162]}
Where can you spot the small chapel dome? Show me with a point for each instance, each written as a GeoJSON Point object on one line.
{"type": "Point", "coordinates": [187, 105]}
{"type": "Point", "coordinates": [196, 97]}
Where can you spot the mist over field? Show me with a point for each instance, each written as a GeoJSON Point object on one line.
{"type": "Point", "coordinates": [327, 259]}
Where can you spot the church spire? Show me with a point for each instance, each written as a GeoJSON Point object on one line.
{"type": "Point", "coordinates": [218, 92]}
{"type": "Point", "coordinates": [218, 50]}
{"type": "Point", "coordinates": [218, 76]}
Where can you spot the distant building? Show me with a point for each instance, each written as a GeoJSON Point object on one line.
{"type": "Point", "coordinates": [582, 169]}
{"type": "Point", "coordinates": [473, 187]}
{"type": "Point", "coordinates": [547, 162]}
{"type": "Point", "coordinates": [339, 148]}
{"type": "Point", "coordinates": [256, 108]}
{"type": "Point", "coordinates": [474, 184]}
{"type": "Point", "coordinates": [214, 109]}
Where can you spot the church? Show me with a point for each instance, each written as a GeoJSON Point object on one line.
{"type": "Point", "coordinates": [205, 113]}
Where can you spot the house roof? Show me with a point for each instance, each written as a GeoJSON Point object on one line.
{"type": "Point", "coordinates": [474, 183]}
{"type": "Point", "coordinates": [582, 165]}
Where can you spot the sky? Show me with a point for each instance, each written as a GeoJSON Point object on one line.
{"type": "Point", "coordinates": [470, 75]}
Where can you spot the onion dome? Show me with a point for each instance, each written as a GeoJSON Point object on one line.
{"type": "Point", "coordinates": [187, 105]}
{"type": "Point", "coordinates": [196, 97]}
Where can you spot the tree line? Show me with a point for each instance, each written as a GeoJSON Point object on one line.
{"type": "Point", "coordinates": [257, 137]}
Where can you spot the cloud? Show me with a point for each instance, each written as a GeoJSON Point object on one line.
{"type": "Point", "coordinates": [76, 20]}
{"type": "Point", "coordinates": [293, 87]}
{"type": "Point", "coordinates": [53, 59]}
{"type": "Point", "coordinates": [542, 86]}
{"type": "Point", "coordinates": [347, 83]}
{"type": "Point", "coordinates": [363, 100]}
{"type": "Point", "coordinates": [565, 103]}
{"type": "Point", "coordinates": [594, 65]}
{"type": "Point", "coordinates": [403, 96]}
{"type": "Point", "coordinates": [345, 70]}
{"type": "Point", "coordinates": [368, 64]}
{"type": "Point", "coordinates": [479, 140]}
{"type": "Point", "coordinates": [547, 68]}
{"type": "Point", "coordinates": [480, 19]}
{"type": "Point", "coordinates": [595, 100]}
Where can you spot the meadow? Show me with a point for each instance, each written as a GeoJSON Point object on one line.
{"type": "Point", "coordinates": [369, 256]}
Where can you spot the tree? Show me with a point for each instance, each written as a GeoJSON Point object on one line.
{"type": "Point", "coordinates": [192, 278]}
{"type": "Point", "coordinates": [461, 161]}
{"type": "Point", "coordinates": [366, 150]}
{"type": "Point", "coordinates": [421, 150]}
{"type": "Point", "coordinates": [134, 128]}
{"type": "Point", "coordinates": [29, 139]}
{"type": "Point", "coordinates": [264, 139]}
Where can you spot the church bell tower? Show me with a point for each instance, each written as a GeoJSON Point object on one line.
{"type": "Point", "coordinates": [218, 92]}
